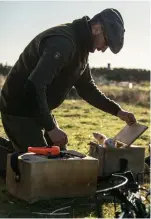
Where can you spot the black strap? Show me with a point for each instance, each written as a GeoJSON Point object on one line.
{"type": "Point", "coordinates": [123, 163]}
{"type": "Point", "coordinates": [14, 165]}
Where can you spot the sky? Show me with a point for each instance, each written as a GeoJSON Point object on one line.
{"type": "Point", "coordinates": [21, 21]}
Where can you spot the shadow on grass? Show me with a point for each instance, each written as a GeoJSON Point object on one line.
{"type": "Point", "coordinates": [53, 208]}
{"type": "Point", "coordinates": [11, 207]}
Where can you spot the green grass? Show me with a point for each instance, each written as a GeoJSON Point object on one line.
{"type": "Point", "coordinates": [79, 120]}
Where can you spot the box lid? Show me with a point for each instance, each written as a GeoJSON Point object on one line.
{"type": "Point", "coordinates": [130, 133]}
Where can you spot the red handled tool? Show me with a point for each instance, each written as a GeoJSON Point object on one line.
{"type": "Point", "coordinates": [53, 150]}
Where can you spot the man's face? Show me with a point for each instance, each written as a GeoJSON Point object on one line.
{"type": "Point", "coordinates": [99, 38]}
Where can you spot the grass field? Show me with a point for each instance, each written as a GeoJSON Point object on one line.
{"type": "Point", "coordinates": [79, 120]}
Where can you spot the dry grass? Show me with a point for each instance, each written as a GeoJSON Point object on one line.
{"type": "Point", "coordinates": [2, 80]}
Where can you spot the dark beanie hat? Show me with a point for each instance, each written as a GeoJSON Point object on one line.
{"type": "Point", "coordinates": [113, 27]}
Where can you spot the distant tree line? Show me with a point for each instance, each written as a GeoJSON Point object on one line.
{"type": "Point", "coordinates": [121, 74]}
{"type": "Point", "coordinates": [4, 69]}
{"type": "Point", "coordinates": [115, 74]}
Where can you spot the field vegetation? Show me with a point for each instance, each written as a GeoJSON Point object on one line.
{"type": "Point", "coordinates": [79, 120]}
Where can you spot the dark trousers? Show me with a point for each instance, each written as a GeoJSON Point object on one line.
{"type": "Point", "coordinates": [24, 132]}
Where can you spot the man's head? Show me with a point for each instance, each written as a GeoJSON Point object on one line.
{"type": "Point", "coordinates": [108, 30]}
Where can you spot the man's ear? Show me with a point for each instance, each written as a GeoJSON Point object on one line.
{"type": "Point", "coordinates": [96, 29]}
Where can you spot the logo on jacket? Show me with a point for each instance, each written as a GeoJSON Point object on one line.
{"type": "Point", "coordinates": [57, 55]}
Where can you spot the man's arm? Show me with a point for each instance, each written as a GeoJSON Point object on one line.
{"type": "Point", "coordinates": [87, 90]}
{"type": "Point", "coordinates": [57, 53]}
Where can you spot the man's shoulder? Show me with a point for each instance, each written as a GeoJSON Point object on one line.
{"type": "Point", "coordinates": [60, 30]}
{"type": "Point", "coordinates": [63, 31]}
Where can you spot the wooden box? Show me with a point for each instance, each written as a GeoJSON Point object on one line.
{"type": "Point", "coordinates": [109, 158]}
{"type": "Point", "coordinates": [43, 178]}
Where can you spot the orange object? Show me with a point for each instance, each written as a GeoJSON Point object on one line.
{"type": "Point", "coordinates": [54, 150]}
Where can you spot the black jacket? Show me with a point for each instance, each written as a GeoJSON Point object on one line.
{"type": "Point", "coordinates": [51, 64]}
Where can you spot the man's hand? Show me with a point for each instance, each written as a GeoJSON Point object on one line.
{"type": "Point", "coordinates": [126, 116]}
{"type": "Point", "coordinates": [58, 137]}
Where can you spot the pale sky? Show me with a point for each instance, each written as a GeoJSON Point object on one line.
{"type": "Point", "coordinates": [22, 21]}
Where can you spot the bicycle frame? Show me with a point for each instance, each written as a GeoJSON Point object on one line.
{"type": "Point", "coordinates": [130, 200]}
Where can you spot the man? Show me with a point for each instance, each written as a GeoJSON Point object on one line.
{"type": "Point", "coordinates": [51, 64]}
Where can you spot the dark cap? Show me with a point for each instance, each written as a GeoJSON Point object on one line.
{"type": "Point", "coordinates": [113, 27]}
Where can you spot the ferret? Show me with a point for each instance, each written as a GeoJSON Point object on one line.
{"type": "Point", "coordinates": [99, 137]}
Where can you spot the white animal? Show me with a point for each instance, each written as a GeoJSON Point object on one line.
{"type": "Point", "coordinates": [109, 143]}
{"type": "Point", "coordinates": [99, 137]}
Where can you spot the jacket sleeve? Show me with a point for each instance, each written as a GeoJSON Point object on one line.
{"type": "Point", "coordinates": [57, 53]}
{"type": "Point", "coordinates": [87, 90]}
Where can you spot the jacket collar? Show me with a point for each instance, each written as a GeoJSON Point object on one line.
{"type": "Point", "coordinates": [83, 33]}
